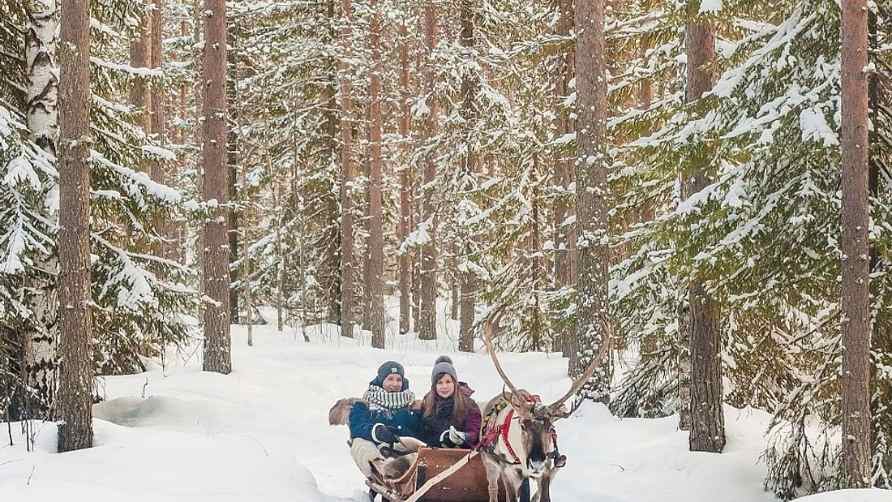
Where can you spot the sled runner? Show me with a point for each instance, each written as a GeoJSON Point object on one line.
{"type": "Point", "coordinates": [438, 475]}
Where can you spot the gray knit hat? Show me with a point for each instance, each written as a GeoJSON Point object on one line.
{"type": "Point", "coordinates": [386, 369]}
{"type": "Point", "coordinates": [442, 365]}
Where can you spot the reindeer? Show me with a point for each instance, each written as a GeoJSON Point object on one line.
{"type": "Point", "coordinates": [525, 444]}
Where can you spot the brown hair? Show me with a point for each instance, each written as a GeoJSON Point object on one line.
{"type": "Point", "coordinates": [459, 411]}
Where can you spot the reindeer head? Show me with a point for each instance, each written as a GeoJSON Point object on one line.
{"type": "Point", "coordinates": [537, 420]}
{"type": "Point", "coordinates": [536, 431]}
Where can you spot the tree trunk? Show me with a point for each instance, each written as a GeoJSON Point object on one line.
{"type": "Point", "coordinates": [331, 263]}
{"type": "Point", "coordinates": [454, 281]}
{"type": "Point", "coordinates": [298, 207]}
{"type": "Point", "coordinates": [417, 195]}
{"type": "Point", "coordinates": [416, 268]}
{"type": "Point", "coordinates": [469, 88]}
{"type": "Point", "coordinates": [198, 119]}
{"type": "Point", "coordinates": [881, 340]}
{"type": "Point", "coordinates": [707, 418]}
{"type": "Point", "coordinates": [684, 367]}
{"type": "Point", "coordinates": [141, 57]}
{"type": "Point", "coordinates": [592, 321]}
{"type": "Point", "coordinates": [534, 248]}
{"type": "Point", "coordinates": [217, 351]}
{"type": "Point", "coordinates": [76, 379]}
{"type": "Point", "coordinates": [232, 162]}
{"type": "Point", "coordinates": [347, 258]}
{"type": "Point", "coordinates": [366, 250]}
{"type": "Point", "coordinates": [856, 330]}
{"type": "Point", "coordinates": [182, 100]}
{"type": "Point", "coordinates": [467, 314]}
{"type": "Point", "coordinates": [249, 310]}
{"type": "Point", "coordinates": [648, 343]}
{"type": "Point", "coordinates": [42, 67]}
{"type": "Point", "coordinates": [428, 328]}
{"type": "Point", "coordinates": [168, 245]}
{"type": "Point", "coordinates": [197, 88]}
{"type": "Point", "coordinates": [562, 208]}
{"type": "Point", "coordinates": [158, 93]}
{"type": "Point", "coordinates": [280, 258]}
{"type": "Point", "coordinates": [376, 238]}
{"type": "Point", "coordinates": [246, 268]}
{"type": "Point", "coordinates": [40, 334]}
{"type": "Point", "coordinates": [405, 184]}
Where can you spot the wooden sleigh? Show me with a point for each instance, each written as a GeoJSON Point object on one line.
{"type": "Point", "coordinates": [439, 475]}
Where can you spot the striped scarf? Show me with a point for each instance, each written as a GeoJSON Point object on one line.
{"type": "Point", "coordinates": [378, 398]}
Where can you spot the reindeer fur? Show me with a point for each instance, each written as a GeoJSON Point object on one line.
{"type": "Point", "coordinates": [499, 463]}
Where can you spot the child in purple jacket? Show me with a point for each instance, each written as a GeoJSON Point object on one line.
{"type": "Point", "coordinates": [450, 418]}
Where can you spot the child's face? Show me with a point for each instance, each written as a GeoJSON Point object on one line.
{"type": "Point", "coordinates": [445, 386]}
{"type": "Point", "coordinates": [393, 383]}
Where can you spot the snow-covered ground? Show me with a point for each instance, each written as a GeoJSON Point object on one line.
{"type": "Point", "coordinates": [261, 433]}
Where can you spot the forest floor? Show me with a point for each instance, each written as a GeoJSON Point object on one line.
{"type": "Point", "coordinates": [261, 433]}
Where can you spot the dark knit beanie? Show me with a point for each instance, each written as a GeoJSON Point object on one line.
{"type": "Point", "coordinates": [442, 365]}
{"type": "Point", "coordinates": [388, 368]}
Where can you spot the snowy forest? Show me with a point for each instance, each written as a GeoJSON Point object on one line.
{"type": "Point", "coordinates": [220, 217]}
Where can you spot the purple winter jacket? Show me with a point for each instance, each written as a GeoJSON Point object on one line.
{"type": "Point", "coordinates": [433, 426]}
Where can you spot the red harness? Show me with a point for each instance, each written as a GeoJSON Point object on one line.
{"type": "Point", "coordinates": [504, 430]}
{"type": "Point", "coordinates": [504, 433]}
{"type": "Point", "coordinates": [492, 434]}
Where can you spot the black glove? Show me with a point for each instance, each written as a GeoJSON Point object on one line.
{"type": "Point", "coordinates": [382, 434]}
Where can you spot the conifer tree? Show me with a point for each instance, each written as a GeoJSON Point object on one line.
{"type": "Point", "coordinates": [427, 330]}
{"type": "Point", "coordinates": [855, 321]}
{"type": "Point", "coordinates": [406, 177]}
{"type": "Point", "coordinates": [215, 254]}
{"type": "Point", "coordinates": [139, 299]}
{"type": "Point", "coordinates": [76, 375]}
{"type": "Point", "coordinates": [592, 160]}
{"type": "Point", "coordinates": [470, 88]}
{"type": "Point", "coordinates": [375, 221]}
{"type": "Point", "coordinates": [707, 416]}
{"type": "Point", "coordinates": [347, 257]}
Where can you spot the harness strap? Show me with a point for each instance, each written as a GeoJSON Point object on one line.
{"type": "Point", "coordinates": [504, 429]}
{"type": "Point", "coordinates": [440, 477]}
{"type": "Point", "coordinates": [490, 438]}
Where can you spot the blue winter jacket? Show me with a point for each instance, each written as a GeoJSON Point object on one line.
{"type": "Point", "coordinates": [403, 422]}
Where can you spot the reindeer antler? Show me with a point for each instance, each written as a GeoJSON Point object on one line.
{"type": "Point", "coordinates": [603, 354]}
{"type": "Point", "coordinates": [487, 339]}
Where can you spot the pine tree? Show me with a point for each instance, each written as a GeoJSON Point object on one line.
{"type": "Point", "coordinates": [375, 222]}
{"type": "Point", "coordinates": [166, 245]}
{"type": "Point", "coordinates": [139, 299]}
{"type": "Point", "coordinates": [592, 161]}
{"type": "Point", "coordinates": [76, 376]}
{"type": "Point", "coordinates": [469, 88]}
{"type": "Point", "coordinates": [232, 164]}
{"type": "Point", "coordinates": [406, 177]}
{"type": "Point", "coordinates": [347, 257]}
{"type": "Point", "coordinates": [707, 416]}
{"type": "Point", "coordinates": [427, 330]}
{"type": "Point", "coordinates": [564, 231]}
{"type": "Point", "coordinates": [215, 259]}
{"type": "Point", "coordinates": [855, 322]}
{"type": "Point", "coordinates": [763, 236]}
{"type": "Point", "coordinates": [141, 57]}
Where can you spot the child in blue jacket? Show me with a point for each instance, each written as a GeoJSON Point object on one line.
{"type": "Point", "coordinates": [383, 416]}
